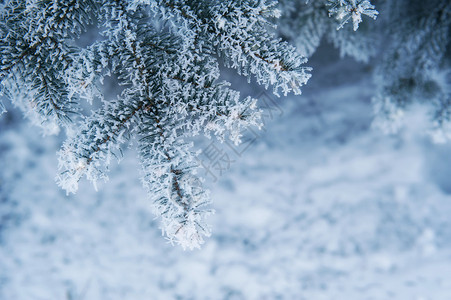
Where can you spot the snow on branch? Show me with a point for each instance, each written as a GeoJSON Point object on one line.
{"type": "Point", "coordinates": [345, 10]}
{"type": "Point", "coordinates": [239, 32]}
{"type": "Point", "coordinates": [36, 51]}
{"type": "Point", "coordinates": [163, 54]}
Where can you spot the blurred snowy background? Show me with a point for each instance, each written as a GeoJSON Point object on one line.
{"type": "Point", "coordinates": [321, 206]}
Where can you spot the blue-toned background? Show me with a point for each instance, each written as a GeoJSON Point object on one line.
{"type": "Point", "coordinates": [320, 206]}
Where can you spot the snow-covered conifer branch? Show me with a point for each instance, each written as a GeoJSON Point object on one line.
{"type": "Point", "coordinates": [169, 95]}
{"type": "Point", "coordinates": [238, 31]}
{"type": "Point", "coordinates": [177, 194]}
{"type": "Point", "coordinates": [36, 50]}
{"type": "Point", "coordinates": [164, 55]}
{"type": "Point", "coordinates": [345, 10]}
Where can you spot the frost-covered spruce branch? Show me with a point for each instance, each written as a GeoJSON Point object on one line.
{"type": "Point", "coordinates": [306, 23]}
{"type": "Point", "coordinates": [164, 54]}
{"type": "Point", "coordinates": [238, 31]}
{"type": "Point", "coordinates": [36, 49]}
{"type": "Point", "coordinates": [346, 10]}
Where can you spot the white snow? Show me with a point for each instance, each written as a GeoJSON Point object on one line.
{"type": "Point", "coordinates": [322, 207]}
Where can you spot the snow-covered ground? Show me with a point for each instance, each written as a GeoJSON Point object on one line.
{"type": "Point", "coordinates": [322, 206]}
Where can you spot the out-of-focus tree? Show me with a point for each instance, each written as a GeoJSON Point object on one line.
{"type": "Point", "coordinates": [415, 64]}
{"type": "Point", "coordinates": [409, 45]}
{"type": "Point", "coordinates": [306, 23]}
